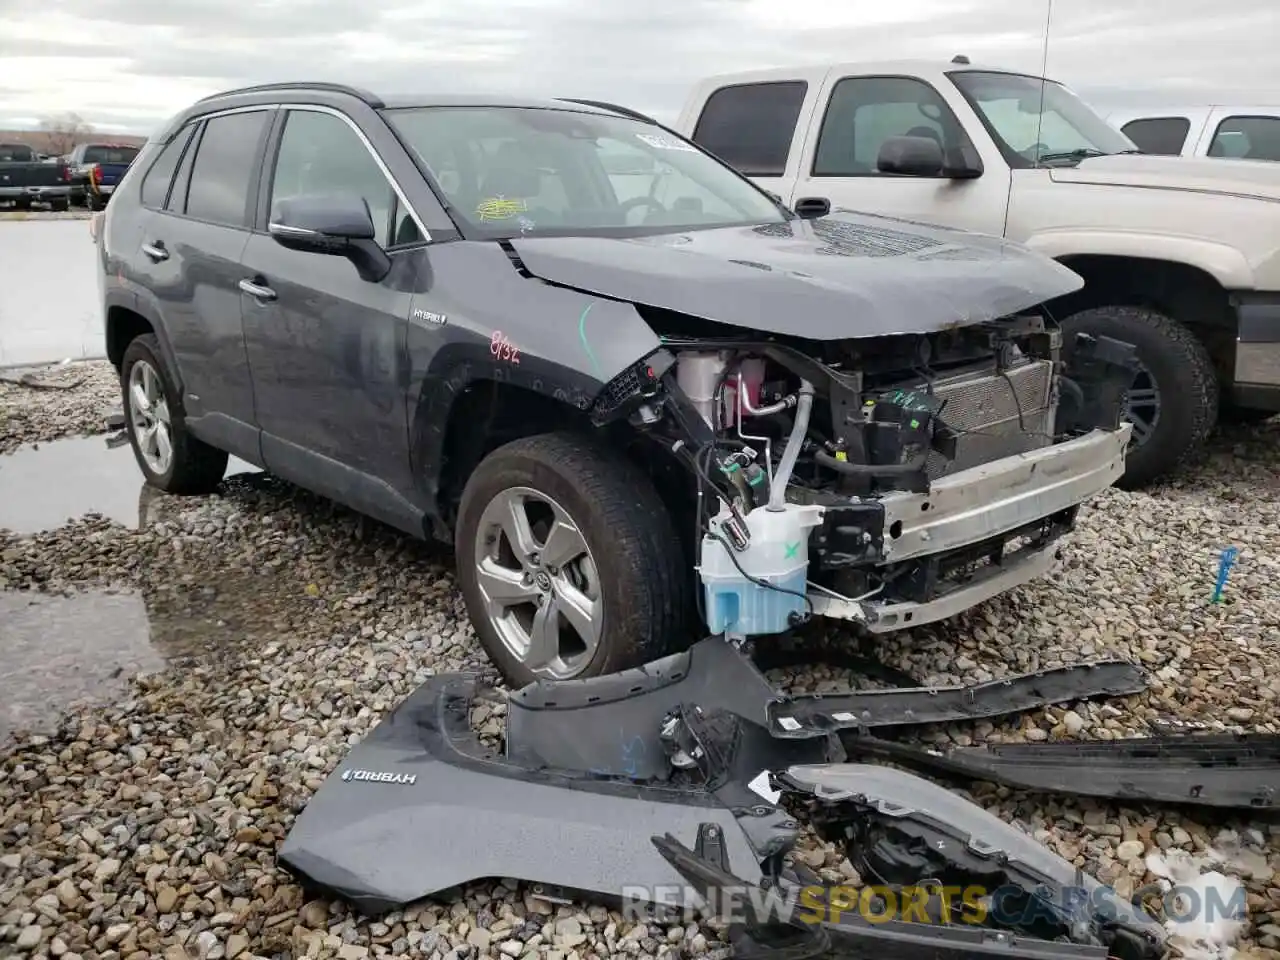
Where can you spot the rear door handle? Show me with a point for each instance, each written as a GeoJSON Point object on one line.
{"type": "Point", "coordinates": [258, 291]}
{"type": "Point", "coordinates": [155, 251]}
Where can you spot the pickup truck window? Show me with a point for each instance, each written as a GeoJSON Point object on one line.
{"type": "Point", "coordinates": [102, 154]}
{"type": "Point", "coordinates": [320, 154]}
{"type": "Point", "coordinates": [750, 125]}
{"type": "Point", "coordinates": [224, 168]}
{"type": "Point", "coordinates": [1247, 138]}
{"type": "Point", "coordinates": [1035, 122]}
{"type": "Point", "coordinates": [1159, 135]}
{"type": "Point", "coordinates": [508, 171]}
{"type": "Point", "coordinates": [155, 185]}
{"type": "Point", "coordinates": [866, 111]}
{"type": "Point", "coordinates": [16, 153]}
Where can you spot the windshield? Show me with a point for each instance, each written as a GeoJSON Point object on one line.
{"type": "Point", "coordinates": [110, 154]}
{"type": "Point", "coordinates": [511, 171]}
{"type": "Point", "coordinates": [1067, 130]}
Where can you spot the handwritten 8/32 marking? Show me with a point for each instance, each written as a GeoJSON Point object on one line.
{"type": "Point", "coordinates": [504, 349]}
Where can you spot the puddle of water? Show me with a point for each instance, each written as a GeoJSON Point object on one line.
{"type": "Point", "coordinates": [45, 486]}
{"type": "Point", "coordinates": [55, 650]}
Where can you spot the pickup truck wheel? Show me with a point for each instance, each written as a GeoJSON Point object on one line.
{"type": "Point", "coordinates": [1173, 401]}
{"type": "Point", "coordinates": [60, 206]}
{"type": "Point", "coordinates": [168, 455]}
{"type": "Point", "coordinates": [568, 561]}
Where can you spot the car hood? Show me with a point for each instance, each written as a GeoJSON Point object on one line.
{"type": "Point", "coordinates": [839, 277]}
{"type": "Point", "coordinates": [1255, 179]}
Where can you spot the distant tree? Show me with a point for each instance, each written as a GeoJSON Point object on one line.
{"type": "Point", "coordinates": [63, 132]}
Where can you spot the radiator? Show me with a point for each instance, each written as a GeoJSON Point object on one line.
{"type": "Point", "coordinates": [983, 408]}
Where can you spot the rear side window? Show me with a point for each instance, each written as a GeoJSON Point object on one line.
{"type": "Point", "coordinates": [225, 167]}
{"type": "Point", "coordinates": [1160, 135]}
{"type": "Point", "coordinates": [864, 112]}
{"type": "Point", "coordinates": [1247, 138]}
{"type": "Point", "coordinates": [751, 126]}
{"type": "Point", "coordinates": [155, 185]}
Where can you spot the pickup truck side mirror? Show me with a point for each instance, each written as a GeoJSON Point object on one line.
{"type": "Point", "coordinates": [339, 225]}
{"type": "Point", "coordinates": [911, 157]}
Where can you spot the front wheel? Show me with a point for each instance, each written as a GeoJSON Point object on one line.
{"type": "Point", "coordinates": [1173, 400]}
{"type": "Point", "coordinates": [568, 561]}
{"type": "Point", "coordinates": [168, 455]}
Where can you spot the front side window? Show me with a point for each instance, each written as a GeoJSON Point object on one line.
{"type": "Point", "coordinates": [1247, 138]}
{"type": "Point", "coordinates": [508, 171]}
{"type": "Point", "coordinates": [224, 168]}
{"type": "Point", "coordinates": [1163, 136]}
{"type": "Point", "coordinates": [320, 155]}
{"type": "Point", "coordinates": [1038, 123]}
{"type": "Point", "coordinates": [864, 112]}
{"type": "Point", "coordinates": [751, 125]}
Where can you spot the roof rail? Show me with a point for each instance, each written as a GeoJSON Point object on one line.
{"type": "Point", "coordinates": [371, 99]}
{"type": "Point", "coordinates": [611, 107]}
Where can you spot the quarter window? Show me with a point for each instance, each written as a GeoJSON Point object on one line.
{"type": "Point", "coordinates": [864, 112]}
{"type": "Point", "coordinates": [224, 168]}
{"type": "Point", "coordinates": [751, 126]}
{"type": "Point", "coordinates": [1159, 135]}
{"type": "Point", "coordinates": [155, 185]}
{"type": "Point", "coordinates": [320, 155]}
{"type": "Point", "coordinates": [1248, 138]}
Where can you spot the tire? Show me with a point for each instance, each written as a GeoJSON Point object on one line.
{"type": "Point", "coordinates": [95, 203]}
{"type": "Point", "coordinates": [22, 203]}
{"type": "Point", "coordinates": [1177, 364]}
{"type": "Point", "coordinates": [192, 467]}
{"type": "Point", "coordinates": [60, 206]}
{"type": "Point", "coordinates": [641, 578]}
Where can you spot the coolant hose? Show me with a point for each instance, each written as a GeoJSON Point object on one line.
{"type": "Point", "coordinates": [778, 495]}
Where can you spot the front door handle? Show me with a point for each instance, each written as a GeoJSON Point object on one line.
{"type": "Point", "coordinates": [810, 207]}
{"type": "Point", "coordinates": [155, 251]}
{"type": "Point", "coordinates": [256, 290]}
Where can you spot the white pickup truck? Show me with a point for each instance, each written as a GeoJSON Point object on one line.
{"type": "Point", "coordinates": [1241, 132]}
{"type": "Point", "coordinates": [1180, 256]}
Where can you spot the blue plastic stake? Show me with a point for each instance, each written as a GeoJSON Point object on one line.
{"type": "Point", "coordinates": [1225, 563]}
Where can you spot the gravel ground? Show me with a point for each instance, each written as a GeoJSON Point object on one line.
{"type": "Point", "coordinates": [39, 404]}
{"type": "Point", "coordinates": [148, 826]}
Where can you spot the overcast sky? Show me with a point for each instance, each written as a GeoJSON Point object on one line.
{"type": "Point", "coordinates": [124, 65]}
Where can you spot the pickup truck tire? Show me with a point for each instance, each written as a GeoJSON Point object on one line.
{"type": "Point", "coordinates": [60, 206]}
{"type": "Point", "coordinates": [192, 467]}
{"type": "Point", "coordinates": [1177, 364]}
{"type": "Point", "coordinates": [626, 556]}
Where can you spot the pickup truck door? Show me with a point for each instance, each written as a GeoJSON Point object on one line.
{"type": "Point", "coordinates": [856, 114]}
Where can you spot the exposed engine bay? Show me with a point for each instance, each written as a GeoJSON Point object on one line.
{"type": "Point", "coordinates": [816, 464]}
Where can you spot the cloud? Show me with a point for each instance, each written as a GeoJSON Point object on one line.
{"type": "Point", "coordinates": [134, 62]}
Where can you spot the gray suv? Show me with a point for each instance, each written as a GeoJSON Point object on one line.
{"type": "Point", "coordinates": [642, 399]}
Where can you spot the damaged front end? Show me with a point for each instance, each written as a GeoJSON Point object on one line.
{"type": "Point", "coordinates": [890, 481]}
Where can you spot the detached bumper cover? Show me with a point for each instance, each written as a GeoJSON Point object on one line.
{"type": "Point", "coordinates": [420, 806]}
{"type": "Point", "coordinates": [1216, 770]}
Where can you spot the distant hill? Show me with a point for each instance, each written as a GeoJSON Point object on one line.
{"type": "Point", "coordinates": [39, 141]}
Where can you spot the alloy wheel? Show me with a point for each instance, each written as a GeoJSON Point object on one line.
{"type": "Point", "coordinates": [539, 581]}
{"type": "Point", "coordinates": [149, 416]}
{"type": "Point", "coordinates": [1142, 406]}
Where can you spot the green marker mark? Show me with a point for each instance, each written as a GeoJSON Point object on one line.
{"type": "Point", "coordinates": [791, 550]}
{"type": "Point", "coordinates": [582, 335]}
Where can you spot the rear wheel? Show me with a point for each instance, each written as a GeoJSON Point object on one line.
{"type": "Point", "coordinates": [168, 455]}
{"type": "Point", "coordinates": [1173, 401]}
{"type": "Point", "coordinates": [568, 561]}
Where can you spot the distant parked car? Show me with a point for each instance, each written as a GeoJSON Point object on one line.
{"type": "Point", "coordinates": [26, 179]}
{"type": "Point", "coordinates": [96, 168]}
{"type": "Point", "coordinates": [1240, 133]}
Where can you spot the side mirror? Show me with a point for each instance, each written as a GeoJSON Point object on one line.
{"type": "Point", "coordinates": [911, 157]}
{"type": "Point", "coordinates": [338, 226]}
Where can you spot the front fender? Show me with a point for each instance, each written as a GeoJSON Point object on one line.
{"type": "Point", "coordinates": [1224, 263]}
